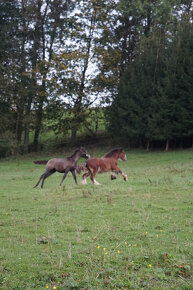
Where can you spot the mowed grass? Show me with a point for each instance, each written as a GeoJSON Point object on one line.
{"type": "Point", "coordinates": [120, 235]}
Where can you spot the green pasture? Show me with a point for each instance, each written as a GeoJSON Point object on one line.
{"type": "Point", "coordinates": [120, 235]}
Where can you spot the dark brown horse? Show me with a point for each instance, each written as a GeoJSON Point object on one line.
{"type": "Point", "coordinates": [104, 164]}
{"type": "Point", "coordinates": [62, 165]}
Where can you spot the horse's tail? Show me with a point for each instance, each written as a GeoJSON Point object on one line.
{"type": "Point", "coordinates": [40, 162]}
{"type": "Point", "coordinates": [81, 167]}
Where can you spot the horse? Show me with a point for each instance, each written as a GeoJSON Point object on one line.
{"type": "Point", "coordinates": [104, 164]}
{"type": "Point", "coordinates": [62, 165]}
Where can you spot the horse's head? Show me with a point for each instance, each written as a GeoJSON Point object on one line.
{"type": "Point", "coordinates": [122, 155]}
{"type": "Point", "coordinates": [84, 153]}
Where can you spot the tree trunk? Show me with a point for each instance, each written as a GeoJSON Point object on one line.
{"type": "Point", "coordinates": [73, 135]}
{"type": "Point", "coordinates": [147, 145]}
{"type": "Point", "coordinates": [27, 125]}
{"type": "Point", "coordinates": [19, 126]}
{"type": "Point", "coordinates": [21, 93]}
{"type": "Point", "coordinates": [167, 145]}
{"type": "Point", "coordinates": [26, 139]}
{"type": "Point", "coordinates": [38, 126]}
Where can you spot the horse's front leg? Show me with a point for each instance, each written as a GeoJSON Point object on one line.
{"type": "Point", "coordinates": [117, 170]}
{"type": "Point", "coordinates": [64, 176]}
{"type": "Point", "coordinates": [114, 175]}
{"type": "Point", "coordinates": [74, 175]}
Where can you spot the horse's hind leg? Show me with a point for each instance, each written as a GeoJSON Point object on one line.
{"type": "Point", "coordinates": [92, 176]}
{"type": "Point", "coordinates": [40, 179]}
{"type": "Point", "coordinates": [96, 182]}
{"type": "Point", "coordinates": [85, 175]}
{"type": "Point", "coordinates": [46, 174]}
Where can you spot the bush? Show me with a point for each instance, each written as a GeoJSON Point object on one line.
{"type": "Point", "coordinates": [8, 145]}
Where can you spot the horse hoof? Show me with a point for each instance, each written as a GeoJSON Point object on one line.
{"type": "Point", "coordinates": [96, 183]}
{"type": "Point", "coordinates": [113, 177]}
{"type": "Point", "coordinates": [83, 182]}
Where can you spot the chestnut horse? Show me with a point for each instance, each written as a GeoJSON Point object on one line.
{"type": "Point", "coordinates": [62, 165]}
{"type": "Point", "coordinates": [104, 164]}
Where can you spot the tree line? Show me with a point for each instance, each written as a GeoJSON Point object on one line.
{"type": "Point", "coordinates": [56, 56]}
{"type": "Point", "coordinates": [154, 103]}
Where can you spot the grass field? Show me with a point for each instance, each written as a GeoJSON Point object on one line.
{"type": "Point", "coordinates": [120, 235]}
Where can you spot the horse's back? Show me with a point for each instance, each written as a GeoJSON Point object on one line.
{"type": "Point", "coordinates": [59, 164]}
{"type": "Point", "coordinates": [93, 162]}
{"type": "Point", "coordinates": [101, 164]}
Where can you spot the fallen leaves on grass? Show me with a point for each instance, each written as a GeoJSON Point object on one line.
{"type": "Point", "coordinates": [43, 240]}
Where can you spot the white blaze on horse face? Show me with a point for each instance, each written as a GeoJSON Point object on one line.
{"type": "Point", "coordinates": [123, 159]}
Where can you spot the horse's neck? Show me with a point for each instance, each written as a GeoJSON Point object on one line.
{"type": "Point", "coordinates": [76, 156]}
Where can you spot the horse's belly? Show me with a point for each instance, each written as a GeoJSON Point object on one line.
{"type": "Point", "coordinates": [104, 168]}
{"type": "Point", "coordinates": [61, 170]}
{"type": "Point", "coordinates": [102, 171]}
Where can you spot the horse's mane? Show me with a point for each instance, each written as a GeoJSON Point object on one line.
{"type": "Point", "coordinates": [79, 149]}
{"type": "Point", "coordinates": [112, 152]}
{"type": "Point", "coordinates": [74, 153]}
